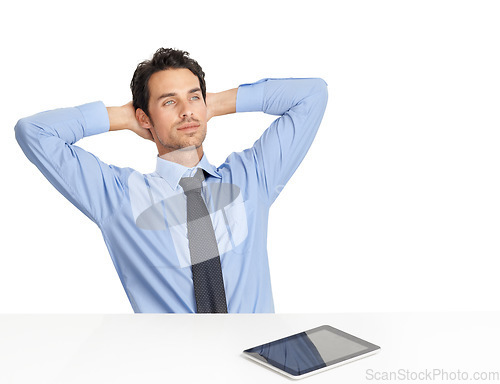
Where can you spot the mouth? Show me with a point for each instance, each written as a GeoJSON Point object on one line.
{"type": "Point", "coordinates": [188, 127]}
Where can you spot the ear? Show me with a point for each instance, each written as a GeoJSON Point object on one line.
{"type": "Point", "coordinates": [143, 119]}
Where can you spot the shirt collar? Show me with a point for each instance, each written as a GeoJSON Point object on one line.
{"type": "Point", "coordinates": [172, 172]}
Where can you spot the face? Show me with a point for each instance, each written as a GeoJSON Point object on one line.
{"type": "Point", "coordinates": [178, 114]}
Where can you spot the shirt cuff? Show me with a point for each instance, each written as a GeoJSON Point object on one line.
{"type": "Point", "coordinates": [250, 97]}
{"type": "Point", "coordinates": [96, 118]}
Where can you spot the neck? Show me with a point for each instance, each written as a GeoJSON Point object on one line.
{"type": "Point", "coordinates": [188, 157]}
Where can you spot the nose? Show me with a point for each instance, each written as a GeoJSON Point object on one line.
{"type": "Point", "coordinates": [185, 110]}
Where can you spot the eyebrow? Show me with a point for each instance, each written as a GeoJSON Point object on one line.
{"type": "Point", "coordinates": [171, 94]}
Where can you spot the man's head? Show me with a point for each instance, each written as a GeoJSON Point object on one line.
{"type": "Point", "coordinates": [169, 94]}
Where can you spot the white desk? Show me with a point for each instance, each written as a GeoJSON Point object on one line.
{"type": "Point", "coordinates": [207, 348]}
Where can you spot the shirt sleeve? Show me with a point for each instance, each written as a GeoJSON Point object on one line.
{"type": "Point", "coordinates": [48, 139]}
{"type": "Point", "coordinates": [300, 103]}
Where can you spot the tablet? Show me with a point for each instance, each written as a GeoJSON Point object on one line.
{"type": "Point", "coordinates": [310, 352]}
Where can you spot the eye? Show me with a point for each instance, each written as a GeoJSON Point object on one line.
{"type": "Point", "coordinates": [195, 98]}
{"type": "Point", "coordinates": [168, 102]}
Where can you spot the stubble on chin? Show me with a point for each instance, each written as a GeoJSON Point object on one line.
{"type": "Point", "coordinates": [187, 156]}
{"type": "Point", "coordinates": [182, 141]}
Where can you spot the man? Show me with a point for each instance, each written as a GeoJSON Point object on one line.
{"type": "Point", "coordinates": [189, 237]}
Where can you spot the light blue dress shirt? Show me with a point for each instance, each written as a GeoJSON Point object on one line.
{"type": "Point", "coordinates": [142, 217]}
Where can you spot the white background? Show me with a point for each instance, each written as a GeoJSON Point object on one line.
{"type": "Point", "coordinates": [395, 207]}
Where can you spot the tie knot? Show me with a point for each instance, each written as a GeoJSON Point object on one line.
{"type": "Point", "coordinates": [192, 183]}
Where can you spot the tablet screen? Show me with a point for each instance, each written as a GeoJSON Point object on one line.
{"type": "Point", "coordinates": [311, 350]}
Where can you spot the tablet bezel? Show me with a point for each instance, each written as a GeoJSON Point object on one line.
{"type": "Point", "coordinates": [370, 350]}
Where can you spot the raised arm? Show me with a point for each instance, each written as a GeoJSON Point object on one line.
{"type": "Point", "coordinates": [48, 140]}
{"type": "Point", "coordinates": [124, 117]}
{"type": "Point", "coordinates": [300, 103]}
{"type": "Point", "coordinates": [221, 103]}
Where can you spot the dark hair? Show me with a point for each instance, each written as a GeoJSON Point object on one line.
{"type": "Point", "coordinates": [164, 58]}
